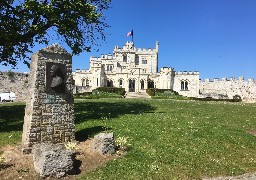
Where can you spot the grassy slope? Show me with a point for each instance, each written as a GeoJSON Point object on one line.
{"type": "Point", "coordinates": [169, 139]}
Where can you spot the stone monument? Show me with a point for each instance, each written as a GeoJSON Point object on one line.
{"type": "Point", "coordinates": [49, 113]}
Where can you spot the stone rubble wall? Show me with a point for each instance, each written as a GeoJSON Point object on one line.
{"type": "Point", "coordinates": [15, 82]}
{"type": "Point", "coordinates": [246, 89]}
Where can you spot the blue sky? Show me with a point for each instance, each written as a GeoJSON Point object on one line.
{"type": "Point", "coordinates": [215, 37]}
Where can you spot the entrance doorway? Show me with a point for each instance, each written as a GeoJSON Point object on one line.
{"type": "Point", "coordinates": [131, 85]}
{"type": "Point", "coordinates": [109, 83]}
{"type": "Point", "coordinates": [151, 84]}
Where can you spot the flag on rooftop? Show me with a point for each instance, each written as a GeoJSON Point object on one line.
{"type": "Point", "coordinates": [129, 33]}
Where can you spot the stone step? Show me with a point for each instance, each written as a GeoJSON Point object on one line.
{"type": "Point", "coordinates": [137, 95]}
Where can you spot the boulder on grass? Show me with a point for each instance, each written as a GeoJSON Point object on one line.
{"type": "Point", "coordinates": [53, 160]}
{"type": "Point", "coordinates": [104, 143]}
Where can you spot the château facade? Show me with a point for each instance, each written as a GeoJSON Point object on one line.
{"type": "Point", "coordinates": [136, 69]}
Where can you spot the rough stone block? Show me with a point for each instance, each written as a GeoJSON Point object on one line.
{"type": "Point", "coordinates": [103, 143]}
{"type": "Point", "coordinates": [53, 160]}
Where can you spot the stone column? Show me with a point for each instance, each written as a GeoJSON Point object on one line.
{"type": "Point", "coordinates": [49, 113]}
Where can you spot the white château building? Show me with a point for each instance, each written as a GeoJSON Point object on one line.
{"type": "Point", "coordinates": [136, 69]}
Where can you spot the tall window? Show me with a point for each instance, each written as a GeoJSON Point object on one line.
{"type": "Point", "coordinates": [142, 84]}
{"type": "Point", "coordinates": [83, 82]}
{"type": "Point", "coordinates": [87, 82]}
{"type": "Point", "coordinates": [137, 60]}
{"type": "Point", "coordinates": [120, 82]}
{"type": "Point", "coordinates": [124, 58]}
{"type": "Point", "coordinates": [184, 85]}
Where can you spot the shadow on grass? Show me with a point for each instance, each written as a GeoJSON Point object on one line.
{"type": "Point", "coordinates": [11, 117]}
{"type": "Point", "coordinates": [101, 110]}
{"type": "Point", "coordinates": [84, 134]}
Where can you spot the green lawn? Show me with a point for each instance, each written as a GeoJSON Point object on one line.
{"type": "Point", "coordinates": [169, 139]}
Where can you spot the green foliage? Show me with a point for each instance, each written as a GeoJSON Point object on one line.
{"type": "Point", "coordinates": [150, 91]}
{"type": "Point", "coordinates": [84, 95]}
{"type": "Point", "coordinates": [122, 143]}
{"type": "Point", "coordinates": [120, 91]}
{"type": "Point", "coordinates": [212, 99]}
{"type": "Point", "coordinates": [165, 94]}
{"type": "Point", "coordinates": [11, 75]}
{"type": "Point", "coordinates": [78, 23]}
{"type": "Point", "coordinates": [96, 94]}
{"type": "Point", "coordinates": [72, 146]}
{"type": "Point", "coordinates": [102, 92]}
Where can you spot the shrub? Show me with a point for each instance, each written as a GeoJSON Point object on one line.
{"type": "Point", "coordinates": [237, 97]}
{"type": "Point", "coordinates": [212, 99]}
{"type": "Point", "coordinates": [72, 146]}
{"type": "Point", "coordinates": [150, 92]}
{"type": "Point", "coordinates": [83, 95]}
{"type": "Point", "coordinates": [120, 91]}
{"type": "Point", "coordinates": [102, 92]}
{"type": "Point", "coordinates": [122, 143]}
{"type": "Point", "coordinates": [165, 94]}
{"type": "Point", "coordinates": [161, 92]}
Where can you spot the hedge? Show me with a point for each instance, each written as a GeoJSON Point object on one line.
{"type": "Point", "coordinates": [153, 91]}
{"type": "Point", "coordinates": [120, 91]}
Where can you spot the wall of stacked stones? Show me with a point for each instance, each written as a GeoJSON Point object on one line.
{"type": "Point", "coordinates": [244, 88]}
{"type": "Point", "coordinates": [15, 82]}
{"type": "Point", "coordinates": [49, 113]}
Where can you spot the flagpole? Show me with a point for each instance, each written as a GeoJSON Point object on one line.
{"type": "Point", "coordinates": [132, 36]}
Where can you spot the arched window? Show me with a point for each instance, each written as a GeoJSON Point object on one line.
{"type": "Point", "coordinates": [87, 82]}
{"type": "Point", "coordinates": [120, 82]}
{"type": "Point", "coordinates": [142, 84]}
{"type": "Point", "coordinates": [182, 85]}
{"type": "Point", "coordinates": [83, 82]}
{"type": "Point", "coordinates": [186, 85]}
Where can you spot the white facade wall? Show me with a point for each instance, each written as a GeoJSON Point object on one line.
{"type": "Point", "coordinates": [132, 70]}
{"type": "Point", "coordinates": [192, 78]}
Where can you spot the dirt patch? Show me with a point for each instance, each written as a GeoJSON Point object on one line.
{"type": "Point", "coordinates": [252, 132]}
{"type": "Point", "coordinates": [20, 166]}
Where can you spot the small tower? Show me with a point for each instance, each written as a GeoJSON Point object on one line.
{"type": "Point", "coordinates": [157, 44]}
